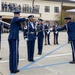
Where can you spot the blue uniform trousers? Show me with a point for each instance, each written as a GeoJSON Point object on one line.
{"type": "Point", "coordinates": [73, 49]}
{"type": "Point", "coordinates": [55, 38]}
{"type": "Point", "coordinates": [0, 41]}
{"type": "Point", "coordinates": [40, 45]}
{"type": "Point", "coordinates": [14, 54]}
{"type": "Point", "coordinates": [30, 49]}
{"type": "Point", "coordinates": [47, 37]}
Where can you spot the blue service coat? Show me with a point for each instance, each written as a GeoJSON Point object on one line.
{"type": "Point", "coordinates": [70, 27]}
{"type": "Point", "coordinates": [0, 33]}
{"type": "Point", "coordinates": [14, 28]}
{"type": "Point", "coordinates": [30, 33]}
{"type": "Point", "coordinates": [55, 29]}
{"type": "Point", "coordinates": [0, 27]}
{"type": "Point", "coordinates": [47, 35]}
{"type": "Point", "coordinates": [46, 27]}
{"type": "Point", "coordinates": [40, 30]}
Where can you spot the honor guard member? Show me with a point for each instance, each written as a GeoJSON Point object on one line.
{"type": "Point", "coordinates": [13, 40]}
{"type": "Point", "coordinates": [47, 33]}
{"type": "Point", "coordinates": [70, 27]}
{"type": "Point", "coordinates": [30, 37]}
{"type": "Point", "coordinates": [40, 36]}
{"type": "Point", "coordinates": [0, 34]}
{"type": "Point", "coordinates": [55, 32]}
{"type": "Point", "coordinates": [2, 25]}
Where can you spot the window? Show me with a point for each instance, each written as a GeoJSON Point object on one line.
{"type": "Point", "coordinates": [47, 8]}
{"type": "Point", "coordinates": [36, 8]}
{"type": "Point", "coordinates": [26, 8]}
{"type": "Point", "coordinates": [56, 9]}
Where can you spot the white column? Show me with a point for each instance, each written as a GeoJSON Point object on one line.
{"type": "Point", "coordinates": [0, 4]}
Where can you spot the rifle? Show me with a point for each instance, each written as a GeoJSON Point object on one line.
{"type": "Point", "coordinates": [24, 23]}
{"type": "Point", "coordinates": [4, 22]}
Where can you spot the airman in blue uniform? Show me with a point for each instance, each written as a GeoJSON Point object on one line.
{"type": "Point", "coordinates": [2, 25]}
{"type": "Point", "coordinates": [13, 40]}
{"type": "Point", "coordinates": [47, 33]}
{"type": "Point", "coordinates": [40, 35]}
{"type": "Point", "coordinates": [70, 27]}
{"type": "Point", "coordinates": [30, 37]}
{"type": "Point", "coordinates": [0, 33]}
{"type": "Point", "coordinates": [55, 32]}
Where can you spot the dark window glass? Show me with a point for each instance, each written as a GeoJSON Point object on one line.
{"type": "Point", "coordinates": [36, 8]}
{"type": "Point", "coordinates": [56, 9]}
{"type": "Point", "coordinates": [47, 8]}
{"type": "Point", "coordinates": [26, 8]}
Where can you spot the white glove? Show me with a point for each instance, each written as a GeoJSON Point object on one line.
{"type": "Point", "coordinates": [48, 32]}
{"type": "Point", "coordinates": [51, 29]}
{"type": "Point", "coordinates": [25, 27]}
{"type": "Point", "coordinates": [56, 32]}
{"type": "Point", "coordinates": [26, 39]}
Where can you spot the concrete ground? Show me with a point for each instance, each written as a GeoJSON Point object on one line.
{"type": "Point", "coordinates": [53, 61]}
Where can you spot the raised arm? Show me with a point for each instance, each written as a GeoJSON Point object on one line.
{"type": "Point", "coordinates": [20, 20]}
{"type": "Point", "coordinates": [62, 28]}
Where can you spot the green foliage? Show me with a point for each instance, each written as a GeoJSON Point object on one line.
{"type": "Point", "coordinates": [61, 17]}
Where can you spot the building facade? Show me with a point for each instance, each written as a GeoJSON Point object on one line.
{"type": "Point", "coordinates": [45, 9]}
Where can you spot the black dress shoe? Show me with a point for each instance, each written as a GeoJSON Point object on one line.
{"type": "Point", "coordinates": [72, 62]}
{"type": "Point", "coordinates": [45, 44]}
{"type": "Point", "coordinates": [39, 54]}
{"type": "Point", "coordinates": [16, 71]}
{"type": "Point", "coordinates": [57, 43]}
{"type": "Point", "coordinates": [0, 58]}
{"type": "Point", "coordinates": [11, 71]}
{"type": "Point", "coordinates": [54, 43]}
{"type": "Point", "coordinates": [31, 60]}
{"type": "Point", "coordinates": [49, 44]}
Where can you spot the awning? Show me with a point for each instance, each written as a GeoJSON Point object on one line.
{"type": "Point", "coordinates": [71, 10]}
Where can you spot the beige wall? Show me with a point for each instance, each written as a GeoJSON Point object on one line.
{"type": "Point", "coordinates": [48, 15]}
{"type": "Point", "coordinates": [10, 15]}
{"type": "Point", "coordinates": [0, 4]}
{"type": "Point", "coordinates": [44, 15]}
{"type": "Point", "coordinates": [51, 16]}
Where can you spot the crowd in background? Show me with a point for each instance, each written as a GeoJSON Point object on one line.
{"type": "Point", "coordinates": [25, 8]}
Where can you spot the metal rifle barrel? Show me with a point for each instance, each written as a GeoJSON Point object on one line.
{"type": "Point", "coordinates": [41, 30]}
{"type": "Point", "coordinates": [9, 24]}
{"type": "Point", "coordinates": [4, 22]}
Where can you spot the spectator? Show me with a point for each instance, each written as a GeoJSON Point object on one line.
{"type": "Point", "coordinates": [2, 6]}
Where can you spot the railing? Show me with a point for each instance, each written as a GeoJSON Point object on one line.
{"type": "Point", "coordinates": [25, 8]}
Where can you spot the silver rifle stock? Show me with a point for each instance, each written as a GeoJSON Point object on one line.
{"type": "Point", "coordinates": [4, 22]}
